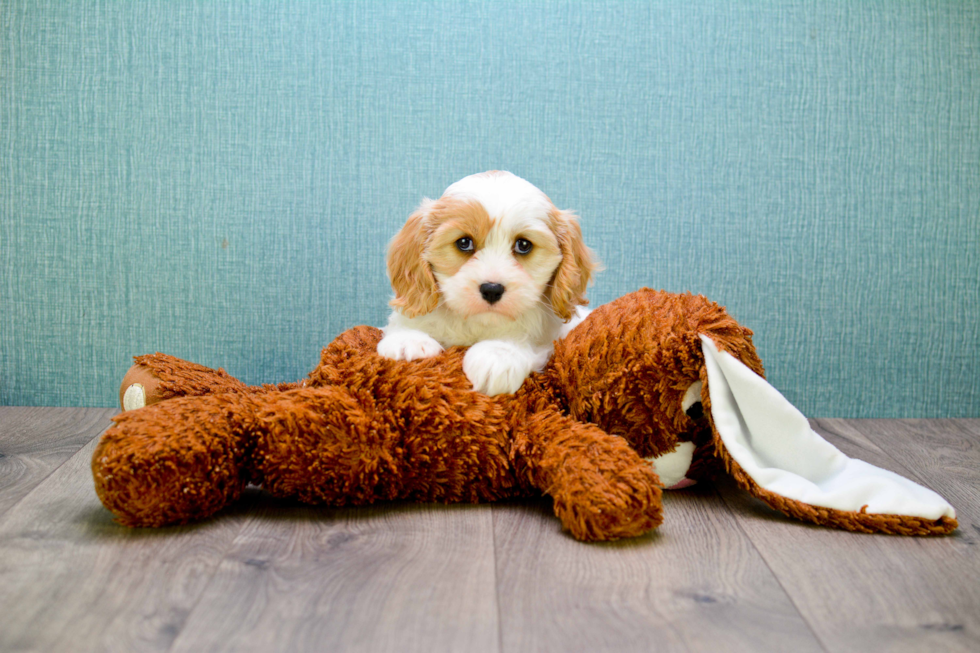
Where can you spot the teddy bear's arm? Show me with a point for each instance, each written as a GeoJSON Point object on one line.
{"type": "Point", "coordinates": [602, 489]}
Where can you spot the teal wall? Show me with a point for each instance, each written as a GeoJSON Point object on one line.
{"type": "Point", "coordinates": [217, 180]}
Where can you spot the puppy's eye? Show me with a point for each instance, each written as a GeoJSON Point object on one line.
{"type": "Point", "coordinates": [465, 244]}
{"type": "Point", "coordinates": [523, 246]}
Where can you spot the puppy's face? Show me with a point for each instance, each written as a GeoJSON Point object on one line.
{"type": "Point", "coordinates": [492, 245]}
{"type": "Point", "coordinates": [487, 264]}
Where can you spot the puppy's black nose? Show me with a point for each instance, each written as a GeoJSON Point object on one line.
{"type": "Point", "coordinates": [492, 292]}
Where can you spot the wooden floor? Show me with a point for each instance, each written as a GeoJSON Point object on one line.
{"type": "Point", "coordinates": [723, 573]}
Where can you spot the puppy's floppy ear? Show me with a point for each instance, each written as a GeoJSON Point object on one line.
{"type": "Point", "coordinates": [578, 263]}
{"type": "Point", "coordinates": [416, 292]}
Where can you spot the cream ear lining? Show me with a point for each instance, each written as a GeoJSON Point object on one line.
{"type": "Point", "coordinates": [774, 445]}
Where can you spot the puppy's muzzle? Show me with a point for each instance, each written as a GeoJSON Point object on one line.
{"type": "Point", "coordinates": [492, 292]}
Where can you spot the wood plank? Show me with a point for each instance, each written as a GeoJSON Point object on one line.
{"type": "Point", "coordinates": [723, 572]}
{"type": "Point", "coordinates": [75, 580]}
{"type": "Point", "coordinates": [695, 584]}
{"type": "Point", "coordinates": [876, 592]}
{"type": "Point", "coordinates": [396, 577]}
{"type": "Point", "coordinates": [36, 441]}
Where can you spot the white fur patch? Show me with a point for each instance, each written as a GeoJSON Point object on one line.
{"type": "Point", "coordinates": [504, 195]}
{"type": "Point", "coordinates": [578, 316]}
{"type": "Point", "coordinates": [692, 396]}
{"type": "Point", "coordinates": [672, 467]}
{"type": "Point", "coordinates": [408, 345]}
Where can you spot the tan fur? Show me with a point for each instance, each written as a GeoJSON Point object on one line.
{"type": "Point", "coordinates": [452, 219]}
{"type": "Point", "coordinates": [544, 243]}
{"type": "Point", "coordinates": [416, 292]}
{"type": "Point", "coordinates": [578, 264]}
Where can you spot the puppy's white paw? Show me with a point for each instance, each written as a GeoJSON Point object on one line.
{"type": "Point", "coordinates": [407, 345]}
{"type": "Point", "coordinates": [495, 367]}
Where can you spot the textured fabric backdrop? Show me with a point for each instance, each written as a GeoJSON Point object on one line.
{"type": "Point", "coordinates": [218, 180]}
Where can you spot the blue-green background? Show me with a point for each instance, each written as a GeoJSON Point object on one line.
{"type": "Point", "coordinates": [218, 180]}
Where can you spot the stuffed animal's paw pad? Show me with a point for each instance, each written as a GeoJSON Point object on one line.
{"type": "Point", "coordinates": [134, 397]}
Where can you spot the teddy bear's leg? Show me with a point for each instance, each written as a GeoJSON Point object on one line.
{"type": "Point", "coordinates": [175, 461]}
{"type": "Point", "coordinates": [183, 459]}
{"type": "Point", "coordinates": [602, 489]}
{"type": "Point", "coordinates": [322, 445]}
{"type": "Point", "coordinates": [156, 377]}
{"type": "Point", "coordinates": [405, 440]}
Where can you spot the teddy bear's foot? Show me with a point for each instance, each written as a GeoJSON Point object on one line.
{"type": "Point", "coordinates": [156, 377]}
{"type": "Point", "coordinates": [139, 388]}
{"type": "Point", "coordinates": [134, 397]}
{"type": "Point", "coordinates": [602, 489]}
{"type": "Point", "coordinates": [176, 461]}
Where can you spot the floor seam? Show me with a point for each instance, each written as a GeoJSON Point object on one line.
{"type": "Point", "coordinates": [224, 556]}
{"type": "Point", "coordinates": [775, 576]}
{"type": "Point", "coordinates": [496, 580]}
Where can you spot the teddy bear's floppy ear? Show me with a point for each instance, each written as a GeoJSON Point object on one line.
{"type": "Point", "coordinates": [767, 445]}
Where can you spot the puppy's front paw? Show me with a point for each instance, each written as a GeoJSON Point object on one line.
{"type": "Point", "coordinates": [408, 346]}
{"type": "Point", "coordinates": [495, 367]}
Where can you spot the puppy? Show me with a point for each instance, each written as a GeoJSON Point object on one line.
{"type": "Point", "coordinates": [492, 265]}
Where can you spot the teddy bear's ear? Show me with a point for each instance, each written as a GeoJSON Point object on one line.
{"type": "Point", "coordinates": [767, 445]}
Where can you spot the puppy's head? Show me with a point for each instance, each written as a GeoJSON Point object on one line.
{"type": "Point", "coordinates": [492, 245]}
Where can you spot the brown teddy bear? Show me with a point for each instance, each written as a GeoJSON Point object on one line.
{"type": "Point", "coordinates": [650, 382]}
